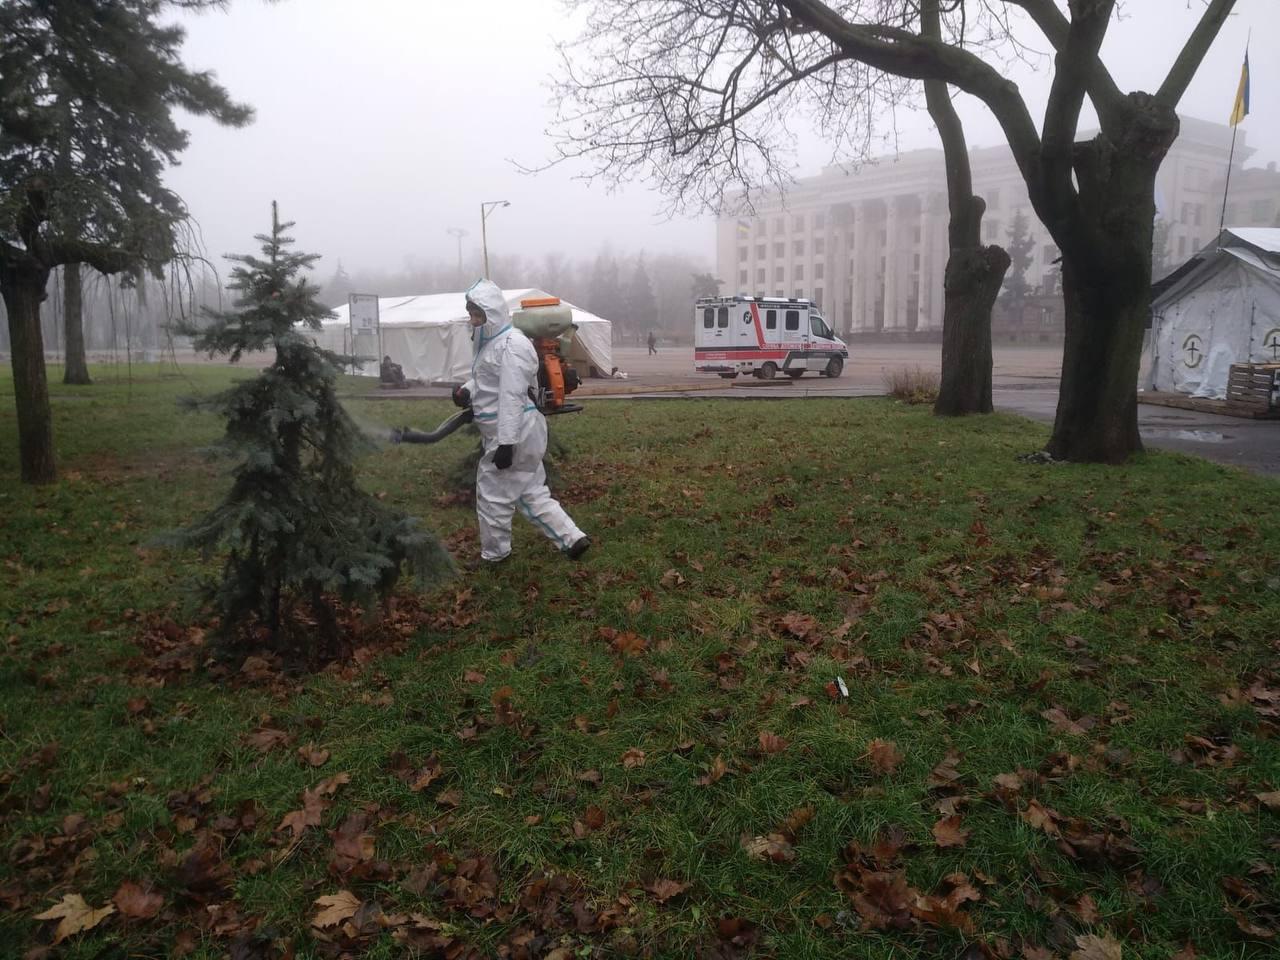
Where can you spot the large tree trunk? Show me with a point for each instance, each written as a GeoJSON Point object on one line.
{"type": "Point", "coordinates": [1107, 295]}
{"type": "Point", "coordinates": [973, 279]}
{"type": "Point", "coordinates": [76, 370]}
{"type": "Point", "coordinates": [974, 272]}
{"type": "Point", "coordinates": [23, 286]}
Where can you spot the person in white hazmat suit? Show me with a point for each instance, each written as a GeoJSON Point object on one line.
{"type": "Point", "coordinates": [510, 476]}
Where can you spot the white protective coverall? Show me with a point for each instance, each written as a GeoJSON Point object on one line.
{"type": "Point", "coordinates": [505, 367]}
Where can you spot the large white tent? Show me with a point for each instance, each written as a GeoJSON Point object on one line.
{"type": "Point", "coordinates": [430, 336]}
{"type": "Point", "coordinates": [1221, 307]}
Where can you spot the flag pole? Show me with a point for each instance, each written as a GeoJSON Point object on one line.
{"type": "Point", "coordinates": [1235, 128]}
{"type": "Point", "coordinates": [1230, 161]}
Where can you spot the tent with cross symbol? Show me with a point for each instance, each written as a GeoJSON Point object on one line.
{"type": "Point", "coordinates": [1219, 308]}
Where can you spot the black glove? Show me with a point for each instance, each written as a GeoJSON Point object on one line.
{"type": "Point", "coordinates": [461, 397]}
{"type": "Point", "coordinates": [503, 455]}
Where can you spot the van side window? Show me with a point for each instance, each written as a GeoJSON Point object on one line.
{"type": "Point", "coordinates": [818, 327]}
{"type": "Point", "coordinates": [708, 318]}
{"type": "Point", "coordinates": [793, 319]}
{"type": "Point", "coordinates": [722, 317]}
{"type": "Point", "coordinates": [771, 319]}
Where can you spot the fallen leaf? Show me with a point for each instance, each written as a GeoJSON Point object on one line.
{"type": "Point", "coordinates": [267, 738]}
{"type": "Point", "coordinates": [772, 743]}
{"type": "Point", "coordinates": [136, 903]}
{"type": "Point", "coordinates": [947, 832]}
{"type": "Point", "coordinates": [335, 908]}
{"type": "Point", "coordinates": [884, 755]}
{"type": "Point", "coordinates": [797, 819]}
{"type": "Point", "coordinates": [773, 847]}
{"type": "Point", "coordinates": [1086, 909]}
{"type": "Point", "coordinates": [715, 771]}
{"type": "Point", "coordinates": [74, 916]}
{"type": "Point", "coordinates": [313, 756]}
{"type": "Point", "coordinates": [1270, 800]}
{"type": "Point", "coordinates": [799, 625]}
{"type": "Point", "coordinates": [473, 676]}
{"type": "Point", "coordinates": [589, 776]}
{"type": "Point", "coordinates": [664, 890]}
{"type": "Point", "coordinates": [632, 758]}
{"type": "Point", "coordinates": [1037, 953]}
{"type": "Point", "coordinates": [1096, 948]}
{"type": "Point", "coordinates": [593, 817]}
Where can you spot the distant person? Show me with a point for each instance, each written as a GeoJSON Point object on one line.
{"type": "Point", "coordinates": [653, 344]}
{"type": "Point", "coordinates": [392, 373]}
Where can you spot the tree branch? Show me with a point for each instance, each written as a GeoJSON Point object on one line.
{"type": "Point", "coordinates": [1103, 91]}
{"type": "Point", "coordinates": [965, 226]}
{"type": "Point", "coordinates": [1193, 53]}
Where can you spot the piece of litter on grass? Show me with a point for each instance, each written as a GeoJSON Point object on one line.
{"type": "Point", "coordinates": [840, 685]}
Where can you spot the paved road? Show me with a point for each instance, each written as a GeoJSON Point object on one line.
{"type": "Point", "coordinates": [1025, 381]}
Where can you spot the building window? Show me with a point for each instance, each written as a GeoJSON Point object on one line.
{"type": "Point", "coordinates": [1182, 246]}
{"type": "Point", "coordinates": [797, 223]}
{"type": "Point", "coordinates": [798, 247]}
{"type": "Point", "coordinates": [760, 225]}
{"type": "Point", "coordinates": [779, 249]}
{"type": "Point", "coordinates": [760, 276]}
{"type": "Point", "coordinates": [742, 277]}
{"type": "Point", "coordinates": [915, 235]}
{"type": "Point", "coordinates": [1199, 210]}
{"type": "Point", "coordinates": [915, 263]}
{"type": "Point", "coordinates": [1186, 213]}
{"type": "Point", "coordinates": [779, 274]}
{"type": "Point", "coordinates": [742, 254]}
{"type": "Point", "coordinates": [819, 247]}
{"type": "Point", "coordinates": [819, 220]}
{"type": "Point", "coordinates": [817, 297]}
{"type": "Point", "coordinates": [799, 272]}
{"type": "Point", "coordinates": [1231, 213]}
{"type": "Point", "coordinates": [779, 292]}
{"type": "Point", "coordinates": [817, 271]}
{"type": "Point", "coordinates": [760, 251]}
{"type": "Point", "coordinates": [780, 225]}
{"type": "Point", "coordinates": [799, 293]}
{"type": "Point", "coordinates": [993, 200]}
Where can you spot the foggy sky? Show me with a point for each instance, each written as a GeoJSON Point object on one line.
{"type": "Point", "coordinates": [382, 123]}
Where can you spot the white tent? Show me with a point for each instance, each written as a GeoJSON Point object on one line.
{"type": "Point", "coordinates": [430, 336]}
{"type": "Point", "coordinates": [1221, 307]}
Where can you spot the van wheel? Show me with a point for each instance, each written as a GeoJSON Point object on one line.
{"type": "Point", "coordinates": [795, 374]}
{"type": "Point", "coordinates": [729, 376]}
{"type": "Point", "coordinates": [768, 370]}
{"type": "Point", "coordinates": [835, 367]}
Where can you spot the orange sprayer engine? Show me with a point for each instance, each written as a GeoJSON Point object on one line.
{"type": "Point", "coordinates": [545, 321]}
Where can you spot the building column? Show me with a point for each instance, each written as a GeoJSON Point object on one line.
{"type": "Point", "coordinates": [935, 217]}
{"type": "Point", "coordinates": [894, 307]}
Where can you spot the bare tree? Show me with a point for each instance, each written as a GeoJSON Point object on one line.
{"type": "Point", "coordinates": [695, 95]}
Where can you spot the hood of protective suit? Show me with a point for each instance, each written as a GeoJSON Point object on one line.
{"type": "Point", "coordinates": [488, 297]}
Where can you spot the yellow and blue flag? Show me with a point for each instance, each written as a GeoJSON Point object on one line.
{"type": "Point", "coordinates": [1241, 109]}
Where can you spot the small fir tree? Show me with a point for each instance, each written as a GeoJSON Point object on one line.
{"type": "Point", "coordinates": [640, 308]}
{"type": "Point", "coordinates": [1021, 248]}
{"type": "Point", "coordinates": [1160, 265]}
{"type": "Point", "coordinates": [296, 529]}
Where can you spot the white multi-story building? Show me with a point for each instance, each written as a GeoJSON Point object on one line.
{"type": "Point", "coordinates": [870, 246]}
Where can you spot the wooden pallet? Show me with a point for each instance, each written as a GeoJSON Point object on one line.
{"type": "Point", "coordinates": [1249, 385]}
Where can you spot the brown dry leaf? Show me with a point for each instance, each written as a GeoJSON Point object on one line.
{"type": "Point", "coordinates": [797, 819]}
{"type": "Point", "coordinates": [1041, 817]}
{"type": "Point", "coordinates": [947, 832]}
{"type": "Point", "coordinates": [74, 916]}
{"type": "Point", "coordinates": [1037, 953]}
{"type": "Point", "coordinates": [473, 676]}
{"type": "Point", "coordinates": [593, 817]}
{"type": "Point", "coordinates": [884, 755]}
{"type": "Point", "coordinates": [664, 890]}
{"type": "Point", "coordinates": [715, 772]}
{"type": "Point", "coordinates": [267, 738]}
{"type": "Point", "coordinates": [773, 847]}
{"type": "Point", "coordinates": [1269, 800]}
{"type": "Point", "coordinates": [628, 644]}
{"type": "Point", "coordinates": [1096, 948]}
{"type": "Point", "coordinates": [1062, 723]}
{"type": "Point", "coordinates": [1186, 953]}
{"type": "Point", "coordinates": [672, 579]}
{"type": "Point", "coordinates": [313, 756]}
{"type": "Point", "coordinates": [799, 625]}
{"type": "Point", "coordinates": [632, 758]}
{"type": "Point", "coordinates": [589, 776]}
{"type": "Point", "coordinates": [1008, 783]}
{"type": "Point", "coordinates": [1086, 909]}
{"type": "Point", "coordinates": [335, 908]}
{"type": "Point", "coordinates": [772, 743]}
{"type": "Point", "coordinates": [136, 903]}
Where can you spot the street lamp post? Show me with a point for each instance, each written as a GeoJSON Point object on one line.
{"type": "Point", "coordinates": [486, 208]}
{"type": "Point", "coordinates": [459, 233]}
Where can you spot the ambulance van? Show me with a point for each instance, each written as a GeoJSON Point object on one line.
{"type": "Point", "coordinates": [764, 336]}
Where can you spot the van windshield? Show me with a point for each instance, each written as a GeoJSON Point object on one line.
{"type": "Point", "coordinates": [819, 327]}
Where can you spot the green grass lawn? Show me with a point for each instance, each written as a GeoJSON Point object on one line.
{"type": "Point", "coordinates": [1059, 735]}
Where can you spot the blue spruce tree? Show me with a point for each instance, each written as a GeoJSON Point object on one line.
{"type": "Point", "coordinates": [296, 531]}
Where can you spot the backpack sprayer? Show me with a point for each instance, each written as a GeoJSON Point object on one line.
{"type": "Point", "coordinates": [549, 324]}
